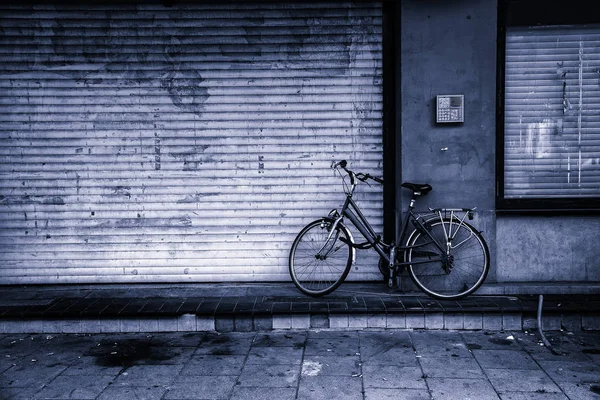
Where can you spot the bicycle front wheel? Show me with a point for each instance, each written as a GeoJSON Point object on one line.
{"type": "Point", "coordinates": [319, 263]}
{"type": "Point", "coordinates": [453, 272]}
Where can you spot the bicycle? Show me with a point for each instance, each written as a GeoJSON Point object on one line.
{"type": "Point", "coordinates": [446, 257]}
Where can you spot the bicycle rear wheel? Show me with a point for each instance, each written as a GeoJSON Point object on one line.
{"type": "Point", "coordinates": [448, 275]}
{"type": "Point", "coordinates": [318, 265]}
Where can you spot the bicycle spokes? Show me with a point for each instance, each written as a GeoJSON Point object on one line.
{"type": "Point", "coordinates": [319, 262]}
{"type": "Point", "coordinates": [451, 260]}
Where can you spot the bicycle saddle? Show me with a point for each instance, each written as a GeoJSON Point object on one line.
{"type": "Point", "coordinates": [418, 188]}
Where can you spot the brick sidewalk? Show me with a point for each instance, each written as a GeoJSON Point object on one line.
{"type": "Point", "coordinates": [248, 307]}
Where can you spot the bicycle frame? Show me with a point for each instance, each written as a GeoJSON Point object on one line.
{"type": "Point", "coordinates": [351, 211]}
{"type": "Point", "coordinates": [387, 252]}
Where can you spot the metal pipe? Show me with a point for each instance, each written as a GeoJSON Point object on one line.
{"type": "Point", "coordinates": [539, 325]}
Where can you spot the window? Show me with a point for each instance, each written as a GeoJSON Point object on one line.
{"type": "Point", "coordinates": [550, 116]}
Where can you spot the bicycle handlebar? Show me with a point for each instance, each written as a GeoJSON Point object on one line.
{"type": "Point", "coordinates": [360, 176]}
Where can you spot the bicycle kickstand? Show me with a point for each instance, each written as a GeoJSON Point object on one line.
{"type": "Point", "coordinates": [391, 265]}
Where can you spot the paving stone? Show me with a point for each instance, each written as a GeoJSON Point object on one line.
{"type": "Point", "coordinates": [146, 325]}
{"type": "Point", "coordinates": [535, 348]}
{"type": "Point", "coordinates": [590, 322]}
{"type": "Point", "coordinates": [332, 365]}
{"type": "Point", "coordinates": [224, 323]}
{"type": "Point", "coordinates": [29, 375]}
{"type": "Point", "coordinates": [442, 344]}
{"type": "Point", "coordinates": [473, 321]}
{"type": "Point", "coordinates": [243, 323]}
{"type": "Point", "coordinates": [332, 334]}
{"type": "Point", "coordinates": [127, 393]}
{"type": "Point", "coordinates": [87, 365]}
{"type": "Point", "coordinates": [148, 375]}
{"type": "Point", "coordinates": [263, 322]}
{"type": "Point", "coordinates": [358, 321]}
{"type": "Point", "coordinates": [301, 321]}
{"type": "Point", "coordinates": [395, 394]}
{"type": "Point", "coordinates": [511, 359]}
{"type": "Point", "coordinates": [534, 396]}
{"type": "Point", "coordinates": [232, 343]}
{"type": "Point", "coordinates": [434, 320]}
{"type": "Point", "coordinates": [338, 321]}
{"type": "Point", "coordinates": [280, 339]}
{"type": "Point", "coordinates": [396, 321]}
{"type": "Point", "coordinates": [275, 355]}
{"type": "Point", "coordinates": [492, 322]}
{"type": "Point", "coordinates": [319, 321]}
{"type": "Point", "coordinates": [415, 320]}
{"type": "Point", "coordinates": [214, 365]}
{"type": "Point", "coordinates": [282, 322]}
{"type": "Point", "coordinates": [178, 339]}
{"type": "Point", "coordinates": [581, 390]}
{"type": "Point", "coordinates": [7, 361]}
{"type": "Point", "coordinates": [460, 389]}
{"type": "Point", "coordinates": [572, 323]}
{"type": "Point", "coordinates": [376, 320]}
{"type": "Point", "coordinates": [572, 371]}
{"type": "Point", "coordinates": [129, 325]}
{"type": "Point", "coordinates": [330, 388]}
{"type": "Point", "coordinates": [201, 387]}
{"type": "Point", "coordinates": [55, 326]}
{"type": "Point", "coordinates": [334, 346]}
{"type": "Point", "coordinates": [454, 320]}
{"type": "Point", "coordinates": [519, 380]}
{"type": "Point", "coordinates": [512, 322]}
{"type": "Point", "coordinates": [75, 387]}
{"type": "Point", "coordinates": [261, 393]}
{"type": "Point", "coordinates": [490, 340]}
{"type": "Point", "coordinates": [391, 376]}
{"type": "Point", "coordinates": [205, 323]}
{"type": "Point", "coordinates": [451, 367]}
{"type": "Point", "coordinates": [186, 323]}
{"type": "Point", "coordinates": [18, 393]}
{"type": "Point", "coordinates": [377, 348]}
{"type": "Point", "coordinates": [273, 376]}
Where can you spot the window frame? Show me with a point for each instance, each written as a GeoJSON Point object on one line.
{"type": "Point", "coordinates": [530, 13]}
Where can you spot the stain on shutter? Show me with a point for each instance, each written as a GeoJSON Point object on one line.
{"type": "Point", "coordinates": [185, 143]}
{"type": "Point", "coordinates": [552, 112]}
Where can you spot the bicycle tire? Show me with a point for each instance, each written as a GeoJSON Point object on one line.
{"type": "Point", "coordinates": [319, 274]}
{"type": "Point", "coordinates": [453, 277]}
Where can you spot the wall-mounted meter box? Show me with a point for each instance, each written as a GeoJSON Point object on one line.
{"type": "Point", "coordinates": [450, 108]}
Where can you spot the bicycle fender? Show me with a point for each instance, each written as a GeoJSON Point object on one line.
{"type": "Point", "coordinates": [346, 231]}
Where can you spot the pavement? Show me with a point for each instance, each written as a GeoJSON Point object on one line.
{"type": "Point", "coordinates": [132, 308]}
{"type": "Point", "coordinates": [301, 364]}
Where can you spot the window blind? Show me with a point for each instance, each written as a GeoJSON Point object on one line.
{"type": "Point", "coordinates": [552, 112]}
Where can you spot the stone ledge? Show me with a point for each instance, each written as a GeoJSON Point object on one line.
{"type": "Point", "coordinates": [263, 322]}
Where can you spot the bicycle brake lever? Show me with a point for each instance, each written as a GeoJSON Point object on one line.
{"type": "Point", "coordinates": [363, 178]}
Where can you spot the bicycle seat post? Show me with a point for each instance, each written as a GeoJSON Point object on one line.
{"type": "Point", "coordinates": [413, 200]}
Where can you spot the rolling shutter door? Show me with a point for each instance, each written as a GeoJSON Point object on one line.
{"type": "Point", "coordinates": [552, 112]}
{"type": "Point", "coordinates": [184, 143]}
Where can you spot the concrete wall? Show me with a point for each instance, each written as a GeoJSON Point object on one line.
{"type": "Point", "coordinates": [449, 47]}
{"type": "Point", "coordinates": [548, 249]}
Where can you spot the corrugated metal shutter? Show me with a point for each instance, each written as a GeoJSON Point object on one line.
{"type": "Point", "coordinates": [185, 143]}
{"type": "Point", "coordinates": [552, 112]}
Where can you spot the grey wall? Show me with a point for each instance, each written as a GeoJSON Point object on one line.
{"type": "Point", "coordinates": [552, 249]}
{"type": "Point", "coordinates": [448, 48]}
{"type": "Point", "coordinates": [145, 143]}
